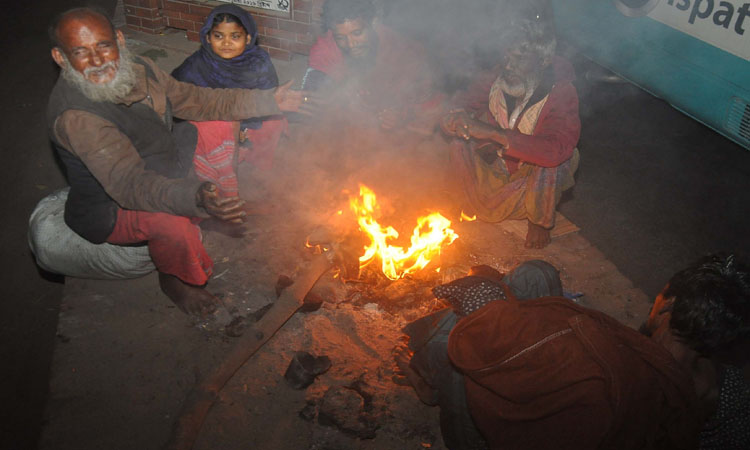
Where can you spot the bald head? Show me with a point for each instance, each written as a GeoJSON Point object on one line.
{"type": "Point", "coordinates": [71, 16]}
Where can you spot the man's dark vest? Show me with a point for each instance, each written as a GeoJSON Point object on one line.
{"type": "Point", "coordinates": [89, 211]}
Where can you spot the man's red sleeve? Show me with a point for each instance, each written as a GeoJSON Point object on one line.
{"type": "Point", "coordinates": [326, 57]}
{"type": "Point", "coordinates": [556, 133]}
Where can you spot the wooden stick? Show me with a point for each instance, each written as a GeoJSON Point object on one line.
{"type": "Point", "coordinates": [202, 397]}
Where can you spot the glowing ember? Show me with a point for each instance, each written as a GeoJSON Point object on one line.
{"type": "Point", "coordinates": [431, 233]}
{"type": "Point", "coordinates": [465, 218]}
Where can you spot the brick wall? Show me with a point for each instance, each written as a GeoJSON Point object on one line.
{"type": "Point", "coordinates": [144, 15]}
{"type": "Point", "coordinates": [280, 34]}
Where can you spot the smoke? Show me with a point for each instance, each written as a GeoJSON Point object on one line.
{"type": "Point", "coordinates": [462, 37]}
{"type": "Point", "coordinates": [320, 167]}
{"type": "Point", "coordinates": [325, 159]}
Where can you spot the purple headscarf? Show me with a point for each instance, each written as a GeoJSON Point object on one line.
{"type": "Point", "coordinates": [250, 70]}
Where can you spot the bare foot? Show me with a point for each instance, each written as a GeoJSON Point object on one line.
{"type": "Point", "coordinates": [402, 356]}
{"type": "Point", "coordinates": [192, 300]}
{"type": "Point", "coordinates": [537, 236]}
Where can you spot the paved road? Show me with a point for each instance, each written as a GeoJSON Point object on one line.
{"type": "Point", "coordinates": [30, 303]}
{"type": "Point", "coordinates": [655, 190]}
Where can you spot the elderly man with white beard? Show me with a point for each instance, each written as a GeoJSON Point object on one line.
{"type": "Point", "coordinates": [517, 127]}
{"type": "Point", "coordinates": [110, 120]}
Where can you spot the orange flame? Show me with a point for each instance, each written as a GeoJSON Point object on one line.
{"type": "Point", "coordinates": [430, 234]}
{"type": "Point", "coordinates": [465, 218]}
{"type": "Point", "coordinates": [316, 249]}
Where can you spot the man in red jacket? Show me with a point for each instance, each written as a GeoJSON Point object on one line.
{"type": "Point", "coordinates": [376, 73]}
{"type": "Point", "coordinates": [517, 127]}
{"type": "Point", "coordinates": [546, 373]}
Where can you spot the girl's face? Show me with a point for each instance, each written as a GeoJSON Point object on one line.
{"type": "Point", "coordinates": [228, 39]}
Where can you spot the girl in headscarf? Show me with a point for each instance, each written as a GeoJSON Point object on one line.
{"type": "Point", "coordinates": [230, 58]}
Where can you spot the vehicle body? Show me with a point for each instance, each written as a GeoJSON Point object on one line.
{"type": "Point", "coordinates": [695, 54]}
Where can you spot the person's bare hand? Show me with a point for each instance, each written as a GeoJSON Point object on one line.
{"type": "Point", "coordinates": [288, 99]}
{"type": "Point", "coordinates": [461, 125]}
{"type": "Point", "coordinates": [225, 208]}
{"type": "Point", "coordinates": [477, 130]}
{"type": "Point", "coordinates": [454, 123]}
{"type": "Point", "coordinates": [484, 131]}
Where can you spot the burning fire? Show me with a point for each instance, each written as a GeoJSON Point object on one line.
{"type": "Point", "coordinates": [430, 234]}
{"type": "Point", "coordinates": [467, 218]}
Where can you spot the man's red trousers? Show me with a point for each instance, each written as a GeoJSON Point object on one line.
{"type": "Point", "coordinates": [174, 243]}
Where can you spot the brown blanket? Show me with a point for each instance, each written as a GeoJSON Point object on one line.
{"type": "Point", "coordinates": [547, 373]}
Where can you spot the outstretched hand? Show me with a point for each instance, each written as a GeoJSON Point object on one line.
{"type": "Point", "coordinates": [455, 123]}
{"type": "Point", "coordinates": [225, 208]}
{"type": "Point", "coordinates": [461, 125]}
{"type": "Point", "coordinates": [290, 100]}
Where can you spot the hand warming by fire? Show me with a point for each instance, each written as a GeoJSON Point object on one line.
{"type": "Point", "coordinates": [428, 238]}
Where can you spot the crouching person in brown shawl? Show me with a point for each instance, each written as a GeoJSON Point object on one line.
{"type": "Point", "coordinates": [546, 373]}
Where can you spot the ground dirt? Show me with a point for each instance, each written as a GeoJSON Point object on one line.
{"type": "Point", "coordinates": [126, 357]}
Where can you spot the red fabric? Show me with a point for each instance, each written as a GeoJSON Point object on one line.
{"type": "Point", "coordinates": [214, 158]}
{"type": "Point", "coordinates": [214, 155]}
{"type": "Point", "coordinates": [549, 374]}
{"type": "Point", "coordinates": [264, 141]}
{"type": "Point", "coordinates": [174, 243]}
{"type": "Point", "coordinates": [557, 130]}
{"type": "Point", "coordinates": [326, 57]}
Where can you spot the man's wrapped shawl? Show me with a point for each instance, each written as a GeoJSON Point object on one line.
{"type": "Point", "coordinates": [549, 374]}
{"type": "Point", "coordinates": [250, 70]}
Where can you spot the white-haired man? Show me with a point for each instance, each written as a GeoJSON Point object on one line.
{"type": "Point", "coordinates": [110, 118]}
{"type": "Point", "coordinates": [518, 127]}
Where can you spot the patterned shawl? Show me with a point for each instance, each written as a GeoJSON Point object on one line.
{"type": "Point", "coordinates": [250, 70]}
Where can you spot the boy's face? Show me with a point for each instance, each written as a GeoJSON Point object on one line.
{"type": "Point", "coordinates": [228, 39]}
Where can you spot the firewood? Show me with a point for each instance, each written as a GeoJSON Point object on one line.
{"type": "Point", "coordinates": [202, 397]}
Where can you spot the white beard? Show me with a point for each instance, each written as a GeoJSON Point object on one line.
{"type": "Point", "coordinates": [521, 89]}
{"type": "Point", "coordinates": [120, 86]}
{"type": "Point", "coordinates": [514, 90]}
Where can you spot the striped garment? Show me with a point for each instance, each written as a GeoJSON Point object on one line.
{"type": "Point", "coordinates": [215, 155]}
